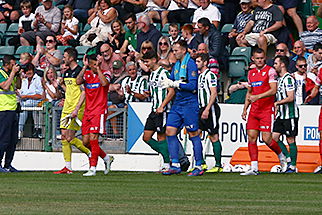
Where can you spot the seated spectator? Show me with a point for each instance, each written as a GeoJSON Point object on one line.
{"type": "Point", "coordinates": [107, 57]}
{"type": "Point", "coordinates": [30, 95]}
{"type": "Point", "coordinates": [187, 34]}
{"type": "Point", "coordinates": [299, 50]}
{"type": "Point", "coordinates": [50, 84]}
{"type": "Point", "coordinates": [25, 22]}
{"type": "Point", "coordinates": [117, 37]}
{"type": "Point", "coordinates": [164, 50]}
{"type": "Point", "coordinates": [154, 8]}
{"type": "Point", "coordinates": [47, 21]}
{"type": "Point", "coordinates": [101, 22]}
{"type": "Point", "coordinates": [147, 32]}
{"type": "Point", "coordinates": [282, 50]}
{"type": "Point", "coordinates": [174, 33]}
{"type": "Point", "coordinates": [25, 58]}
{"type": "Point", "coordinates": [69, 26]}
{"type": "Point", "coordinates": [313, 34]}
{"type": "Point", "coordinates": [47, 56]}
{"type": "Point", "coordinates": [210, 35]}
{"type": "Point", "coordinates": [163, 16]}
{"type": "Point", "coordinates": [7, 12]}
{"type": "Point", "coordinates": [237, 91]}
{"type": "Point", "coordinates": [300, 77]}
{"type": "Point", "coordinates": [130, 42]}
{"type": "Point", "coordinates": [146, 46]}
{"type": "Point", "coordinates": [207, 10]}
{"type": "Point", "coordinates": [240, 22]}
{"type": "Point", "coordinates": [264, 26]}
{"type": "Point", "coordinates": [134, 6]}
{"type": "Point", "coordinates": [182, 15]}
{"type": "Point", "coordinates": [314, 59]}
{"type": "Point", "coordinates": [213, 64]}
{"type": "Point", "coordinates": [133, 85]}
{"type": "Point", "coordinates": [290, 7]}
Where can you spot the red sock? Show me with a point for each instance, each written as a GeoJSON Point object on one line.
{"type": "Point", "coordinates": [275, 147]}
{"type": "Point", "coordinates": [102, 153]}
{"type": "Point", "coordinates": [95, 149]}
{"type": "Point", "coordinates": [321, 150]}
{"type": "Point", "coordinates": [253, 151]}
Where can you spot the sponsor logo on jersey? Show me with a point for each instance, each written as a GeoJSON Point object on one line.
{"type": "Point", "coordinates": [92, 85]}
{"type": "Point", "coordinates": [257, 83]}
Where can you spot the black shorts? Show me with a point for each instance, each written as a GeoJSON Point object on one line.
{"type": "Point", "coordinates": [287, 4]}
{"type": "Point", "coordinates": [211, 125]}
{"type": "Point", "coordinates": [289, 127]}
{"type": "Point", "coordinates": [156, 122]}
{"type": "Point", "coordinates": [30, 36]}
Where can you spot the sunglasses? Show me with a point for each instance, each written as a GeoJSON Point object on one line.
{"type": "Point", "coordinates": [302, 65]}
{"type": "Point", "coordinates": [161, 43]}
{"type": "Point", "coordinates": [146, 48]}
{"type": "Point", "coordinates": [50, 41]}
{"type": "Point", "coordinates": [280, 50]}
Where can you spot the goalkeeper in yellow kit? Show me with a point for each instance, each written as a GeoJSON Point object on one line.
{"type": "Point", "coordinates": [73, 110]}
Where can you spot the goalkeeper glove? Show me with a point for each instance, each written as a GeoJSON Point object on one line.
{"type": "Point", "coordinates": [166, 83]}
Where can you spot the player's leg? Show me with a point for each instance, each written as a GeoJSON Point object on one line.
{"type": "Point", "coordinates": [173, 146]}
{"type": "Point", "coordinates": [318, 170]}
{"type": "Point", "coordinates": [291, 167]}
{"type": "Point", "coordinates": [284, 150]}
{"type": "Point", "coordinates": [70, 136]}
{"type": "Point", "coordinates": [93, 141]}
{"type": "Point", "coordinates": [67, 152]}
{"type": "Point", "coordinates": [279, 128]}
{"type": "Point", "coordinates": [164, 150]}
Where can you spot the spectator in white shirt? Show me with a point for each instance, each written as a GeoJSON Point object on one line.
{"type": "Point", "coordinates": [207, 10]}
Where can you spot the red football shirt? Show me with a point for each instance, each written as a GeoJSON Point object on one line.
{"type": "Point", "coordinates": [96, 94]}
{"type": "Point", "coordinates": [259, 81]}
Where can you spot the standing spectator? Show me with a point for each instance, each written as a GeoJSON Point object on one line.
{"type": "Point", "coordinates": [101, 22]}
{"type": "Point", "coordinates": [240, 22]}
{"type": "Point", "coordinates": [50, 84]}
{"type": "Point", "coordinates": [264, 26]}
{"type": "Point", "coordinates": [47, 22]}
{"type": "Point", "coordinates": [207, 10]}
{"type": "Point", "coordinates": [130, 42]}
{"type": "Point", "coordinates": [147, 32]}
{"type": "Point", "coordinates": [187, 34]}
{"type": "Point", "coordinates": [300, 76]}
{"type": "Point", "coordinates": [9, 82]}
{"type": "Point", "coordinates": [30, 95]}
{"type": "Point", "coordinates": [290, 7]}
{"type": "Point", "coordinates": [69, 26]}
{"type": "Point", "coordinates": [25, 22]}
{"type": "Point", "coordinates": [117, 37]}
{"type": "Point", "coordinates": [48, 56]}
{"type": "Point", "coordinates": [313, 34]}
{"type": "Point", "coordinates": [164, 49]}
{"type": "Point", "coordinates": [174, 33]}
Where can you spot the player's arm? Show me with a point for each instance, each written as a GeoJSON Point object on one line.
{"type": "Point", "coordinates": [212, 99]}
{"type": "Point", "coordinates": [247, 103]}
{"type": "Point", "coordinates": [171, 93]}
{"type": "Point", "coordinates": [192, 84]}
{"type": "Point", "coordinates": [271, 92]}
{"type": "Point", "coordinates": [104, 79]}
{"type": "Point", "coordinates": [79, 104]}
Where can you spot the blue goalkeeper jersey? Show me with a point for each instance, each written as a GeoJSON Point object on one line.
{"type": "Point", "coordinates": [187, 92]}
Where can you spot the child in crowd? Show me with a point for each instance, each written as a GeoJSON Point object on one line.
{"type": "Point", "coordinates": [174, 33]}
{"type": "Point", "coordinates": [69, 26]}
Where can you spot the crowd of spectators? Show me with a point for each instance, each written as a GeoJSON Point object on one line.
{"type": "Point", "coordinates": [121, 31]}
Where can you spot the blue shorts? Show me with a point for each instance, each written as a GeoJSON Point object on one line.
{"type": "Point", "coordinates": [287, 4]}
{"type": "Point", "coordinates": [184, 115]}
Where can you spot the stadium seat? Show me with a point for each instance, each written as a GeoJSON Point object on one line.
{"type": "Point", "coordinates": [85, 29]}
{"type": "Point", "coordinates": [239, 61]}
{"type": "Point", "coordinates": [6, 50]}
{"type": "Point", "coordinates": [23, 49]}
{"type": "Point", "coordinates": [62, 48]}
{"type": "Point", "coordinates": [157, 26]}
{"type": "Point", "coordinates": [3, 27]}
{"type": "Point", "coordinates": [81, 51]}
{"type": "Point", "coordinates": [227, 28]}
{"type": "Point", "coordinates": [242, 51]}
{"type": "Point", "coordinates": [165, 29]}
{"type": "Point", "coordinates": [12, 30]}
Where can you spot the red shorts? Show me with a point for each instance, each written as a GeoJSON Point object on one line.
{"type": "Point", "coordinates": [320, 120]}
{"type": "Point", "coordinates": [94, 124]}
{"type": "Point", "coordinates": [261, 121]}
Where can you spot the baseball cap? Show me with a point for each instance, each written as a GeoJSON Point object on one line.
{"type": "Point", "coordinates": [244, 1]}
{"type": "Point", "coordinates": [117, 64]}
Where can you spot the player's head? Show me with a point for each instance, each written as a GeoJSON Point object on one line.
{"type": "Point", "coordinates": [180, 49]}
{"type": "Point", "coordinates": [131, 69]}
{"type": "Point", "coordinates": [202, 61]}
{"type": "Point", "coordinates": [301, 65]}
{"type": "Point", "coordinates": [317, 51]}
{"type": "Point", "coordinates": [150, 59]}
{"type": "Point", "coordinates": [259, 57]}
{"type": "Point", "coordinates": [281, 63]}
{"type": "Point", "coordinates": [92, 62]}
{"type": "Point", "coordinates": [70, 55]}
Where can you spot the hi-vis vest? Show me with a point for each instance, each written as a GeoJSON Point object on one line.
{"type": "Point", "coordinates": [8, 99]}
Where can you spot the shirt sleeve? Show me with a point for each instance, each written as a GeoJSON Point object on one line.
{"type": "Point", "coordinates": [143, 86]}
{"type": "Point", "coordinates": [56, 21]}
{"type": "Point", "coordinates": [278, 15]}
{"type": "Point", "coordinates": [272, 76]}
{"type": "Point", "coordinates": [212, 80]}
{"type": "Point", "coordinates": [289, 84]}
{"type": "Point", "coordinates": [107, 75]}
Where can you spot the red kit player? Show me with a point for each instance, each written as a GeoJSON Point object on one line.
{"type": "Point", "coordinates": [261, 96]}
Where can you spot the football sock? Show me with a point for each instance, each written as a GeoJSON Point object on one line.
{"type": "Point", "coordinates": [154, 145]}
{"type": "Point", "coordinates": [217, 152]}
{"type": "Point", "coordinates": [95, 152]}
{"type": "Point", "coordinates": [163, 148]}
{"type": "Point", "coordinates": [253, 151]}
{"type": "Point", "coordinates": [293, 153]}
{"type": "Point", "coordinates": [69, 165]}
{"type": "Point", "coordinates": [254, 165]}
{"type": "Point", "coordinates": [93, 168]}
{"type": "Point", "coordinates": [106, 158]}
{"type": "Point", "coordinates": [102, 154]}
{"type": "Point", "coordinates": [79, 144]}
{"type": "Point", "coordinates": [284, 149]}
{"type": "Point", "coordinates": [173, 145]}
{"type": "Point", "coordinates": [274, 146]}
{"type": "Point", "coordinates": [197, 149]}
{"type": "Point", "coordinates": [67, 150]}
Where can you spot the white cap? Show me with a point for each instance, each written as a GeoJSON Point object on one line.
{"type": "Point", "coordinates": [244, 1]}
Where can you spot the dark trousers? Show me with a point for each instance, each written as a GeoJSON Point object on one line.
{"type": "Point", "coordinates": [8, 136]}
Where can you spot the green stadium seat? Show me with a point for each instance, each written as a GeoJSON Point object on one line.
{"type": "Point", "coordinates": [242, 51]}
{"type": "Point", "coordinates": [81, 50]}
{"type": "Point", "coordinates": [157, 26]}
{"type": "Point", "coordinates": [239, 61]}
{"type": "Point", "coordinates": [165, 29]}
{"type": "Point", "coordinates": [85, 29]}
{"type": "Point", "coordinates": [23, 49]}
{"type": "Point", "coordinates": [62, 48]}
{"type": "Point", "coordinates": [12, 30]}
{"type": "Point", "coordinates": [227, 28]}
{"type": "Point", "coordinates": [3, 27]}
{"type": "Point", "coordinates": [6, 50]}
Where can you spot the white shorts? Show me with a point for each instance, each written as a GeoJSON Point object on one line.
{"type": "Point", "coordinates": [253, 37]}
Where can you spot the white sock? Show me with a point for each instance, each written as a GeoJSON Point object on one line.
{"type": "Point", "coordinates": [254, 165]}
{"type": "Point", "coordinates": [69, 165]}
{"type": "Point", "coordinates": [198, 167]}
{"type": "Point", "coordinates": [166, 165]}
{"type": "Point", "coordinates": [176, 165]}
{"type": "Point", "coordinates": [281, 155]}
{"type": "Point", "coordinates": [93, 168]}
{"type": "Point", "coordinates": [288, 160]}
{"type": "Point", "coordinates": [89, 154]}
{"type": "Point", "coordinates": [106, 158]}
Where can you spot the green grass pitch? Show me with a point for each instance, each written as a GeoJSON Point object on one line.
{"type": "Point", "coordinates": [152, 193]}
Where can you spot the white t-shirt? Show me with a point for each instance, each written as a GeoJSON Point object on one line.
{"type": "Point", "coordinates": [174, 6]}
{"type": "Point", "coordinates": [31, 18]}
{"type": "Point", "coordinates": [192, 5]}
{"type": "Point", "coordinates": [70, 23]}
{"type": "Point", "coordinates": [105, 27]}
{"type": "Point", "coordinates": [299, 81]}
{"type": "Point", "coordinates": [211, 12]}
{"type": "Point", "coordinates": [52, 89]}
